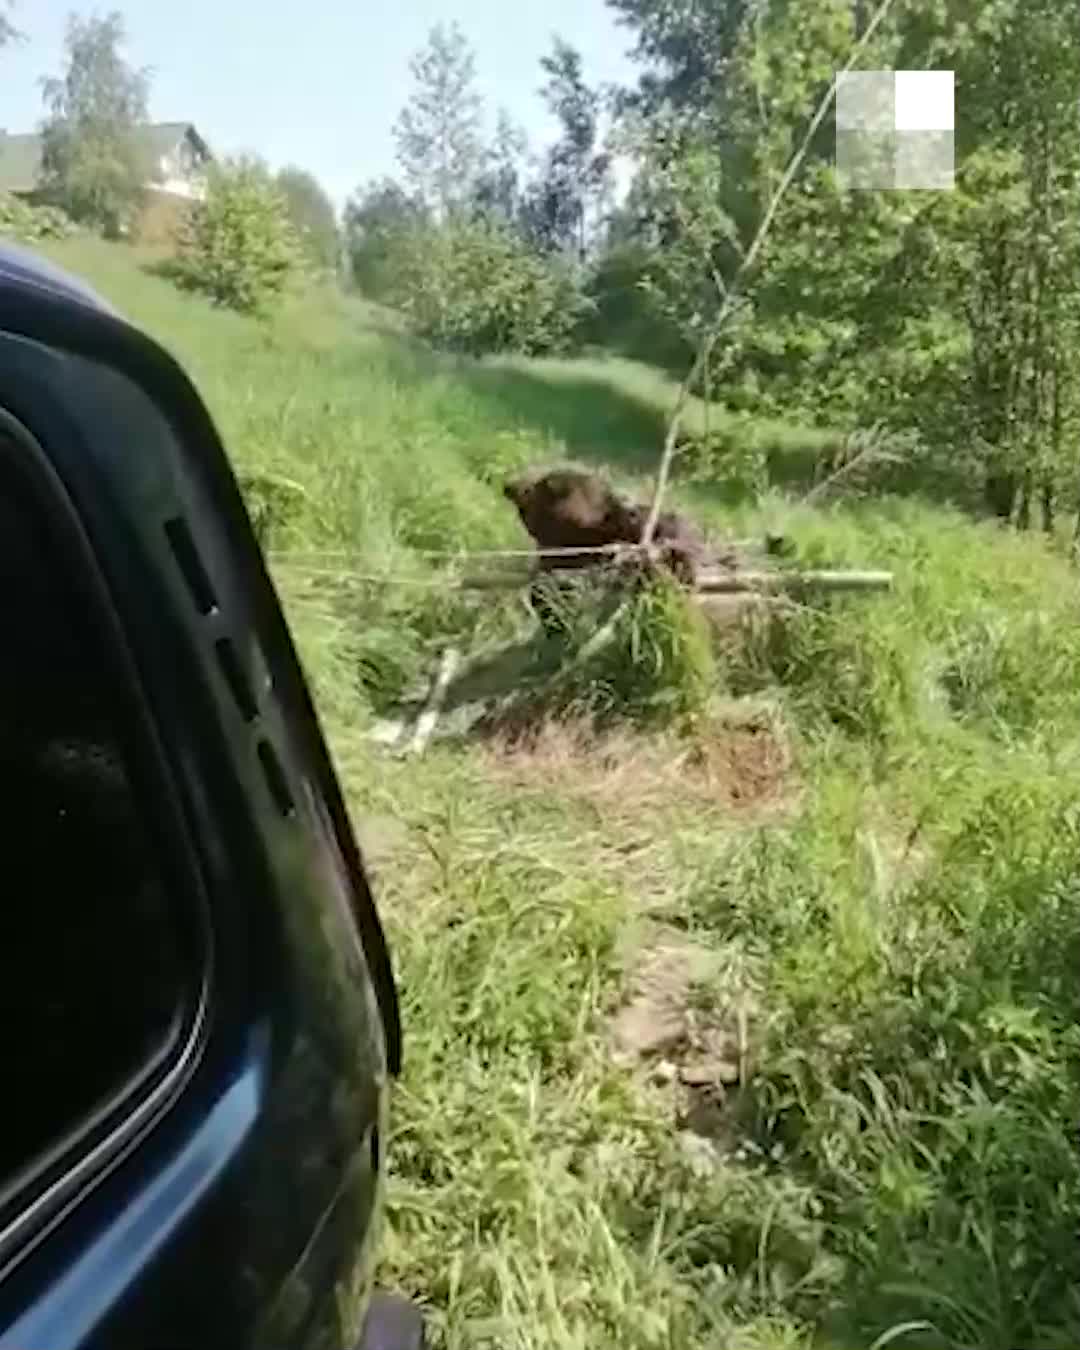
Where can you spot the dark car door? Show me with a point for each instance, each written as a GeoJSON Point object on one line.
{"type": "Point", "coordinates": [198, 1013]}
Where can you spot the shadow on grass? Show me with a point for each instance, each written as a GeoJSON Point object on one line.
{"type": "Point", "coordinates": [603, 420]}
{"type": "Point", "coordinates": [494, 675]}
{"type": "Point", "coordinates": [597, 421]}
{"type": "Point", "coordinates": [165, 267]}
{"type": "Point", "coordinates": [603, 423]}
{"type": "Point", "coordinates": [473, 704]}
{"type": "Point", "coordinates": [612, 426]}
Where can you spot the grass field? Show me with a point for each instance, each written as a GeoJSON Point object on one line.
{"type": "Point", "coordinates": [854, 894]}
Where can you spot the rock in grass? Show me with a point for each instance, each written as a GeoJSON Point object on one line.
{"type": "Point", "coordinates": [642, 1028]}
{"type": "Point", "coordinates": [709, 1072]}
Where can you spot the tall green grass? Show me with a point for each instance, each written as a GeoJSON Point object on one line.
{"type": "Point", "coordinates": [899, 1166]}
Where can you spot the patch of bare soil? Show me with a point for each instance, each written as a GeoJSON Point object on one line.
{"type": "Point", "coordinates": [747, 765]}
{"type": "Point", "coordinates": [686, 1021]}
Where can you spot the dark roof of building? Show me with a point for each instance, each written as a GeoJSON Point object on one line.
{"type": "Point", "coordinates": [161, 137]}
{"type": "Point", "coordinates": [20, 155]}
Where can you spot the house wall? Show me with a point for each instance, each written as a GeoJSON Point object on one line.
{"type": "Point", "coordinates": [179, 184]}
{"type": "Point", "coordinates": [181, 172]}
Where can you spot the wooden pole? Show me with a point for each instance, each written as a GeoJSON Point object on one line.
{"type": "Point", "coordinates": [731, 583]}
{"type": "Point", "coordinates": [728, 583]}
{"type": "Point", "coordinates": [425, 725]}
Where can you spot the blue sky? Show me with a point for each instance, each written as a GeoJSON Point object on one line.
{"type": "Point", "coordinates": [319, 87]}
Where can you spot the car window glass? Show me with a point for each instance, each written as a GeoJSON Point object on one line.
{"type": "Point", "coordinates": [91, 976]}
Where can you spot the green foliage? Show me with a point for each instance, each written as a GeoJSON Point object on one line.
{"type": "Point", "coordinates": [562, 208]}
{"type": "Point", "coordinates": [475, 287]}
{"type": "Point", "coordinates": [377, 218]}
{"type": "Point", "coordinates": [930, 311]}
{"type": "Point", "coordinates": [659, 666]}
{"type": "Point", "coordinates": [897, 932]}
{"type": "Point", "coordinates": [8, 31]}
{"type": "Point", "coordinates": [463, 252]}
{"type": "Point", "coordinates": [619, 655]}
{"type": "Point", "coordinates": [832, 321]}
{"type": "Point", "coordinates": [92, 163]}
{"type": "Point", "coordinates": [313, 216]}
{"type": "Point", "coordinates": [497, 194]}
{"type": "Point", "coordinates": [276, 505]}
{"type": "Point", "coordinates": [438, 132]}
{"type": "Point", "coordinates": [694, 241]}
{"type": "Point", "coordinates": [238, 245]}
{"type": "Point", "coordinates": [625, 317]}
{"type": "Point", "coordinates": [686, 51]}
{"type": "Point", "coordinates": [923, 1046]}
{"type": "Point", "coordinates": [32, 224]}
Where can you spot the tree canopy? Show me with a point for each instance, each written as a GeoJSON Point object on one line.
{"type": "Point", "coordinates": [92, 162]}
{"type": "Point", "coordinates": [312, 214]}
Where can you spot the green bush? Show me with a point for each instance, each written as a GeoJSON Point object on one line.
{"type": "Point", "coordinates": [275, 504]}
{"type": "Point", "coordinates": [32, 224]}
{"type": "Point", "coordinates": [625, 317]}
{"type": "Point", "coordinates": [643, 657]}
{"type": "Point", "coordinates": [660, 665]}
{"type": "Point", "coordinates": [922, 1057]}
{"type": "Point", "coordinates": [474, 287]}
{"type": "Point", "coordinates": [239, 245]}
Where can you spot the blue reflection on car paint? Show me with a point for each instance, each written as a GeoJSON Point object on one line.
{"type": "Point", "coordinates": [69, 1311]}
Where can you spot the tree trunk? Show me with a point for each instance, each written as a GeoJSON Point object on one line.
{"type": "Point", "coordinates": [1048, 506]}
{"type": "Point", "coordinates": [1023, 515]}
{"type": "Point", "coordinates": [1000, 494]}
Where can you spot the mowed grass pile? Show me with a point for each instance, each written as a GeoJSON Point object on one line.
{"type": "Point", "coordinates": [902, 925]}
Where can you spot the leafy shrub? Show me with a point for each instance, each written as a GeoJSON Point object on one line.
{"type": "Point", "coordinates": [845, 670]}
{"type": "Point", "coordinates": [921, 1069]}
{"type": "Point", "coordinates": [239, 245]}
{"type": "Point", "coordinates": [32, 224]}
{"type": "Point", "coordinates": [275, 504]}
{"type": "Point", "coordinates": [643, 657]}
{"type": "Point", "coordinates": [1011, 676]}
{"type": "Point", "coordinates": [474, 287]}
{"type": "Point", "coordinates": [375, 219]}
{"type": "Point", "coordinates": [312, 214]}
{"type": "Point", "coordinates": [625, 315]}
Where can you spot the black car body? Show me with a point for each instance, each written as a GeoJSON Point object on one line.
{"type": "Point", "coordinates": [200, 1014]}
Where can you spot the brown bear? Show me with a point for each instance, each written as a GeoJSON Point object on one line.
{"type": "Point", "coordinates": [573, 508]}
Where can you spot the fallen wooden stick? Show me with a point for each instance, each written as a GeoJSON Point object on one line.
{"type": "Point", "coordinates": [727, 583]}
{"type": "Point", "coordinates": [731, 583]}
{"type": "Point", "coordinates": [429, 717]}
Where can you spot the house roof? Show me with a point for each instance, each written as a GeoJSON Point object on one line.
{"type": "Point", "coordinates": [20, 155]}
{"type": "Point", "coordinates": [161, 137]}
